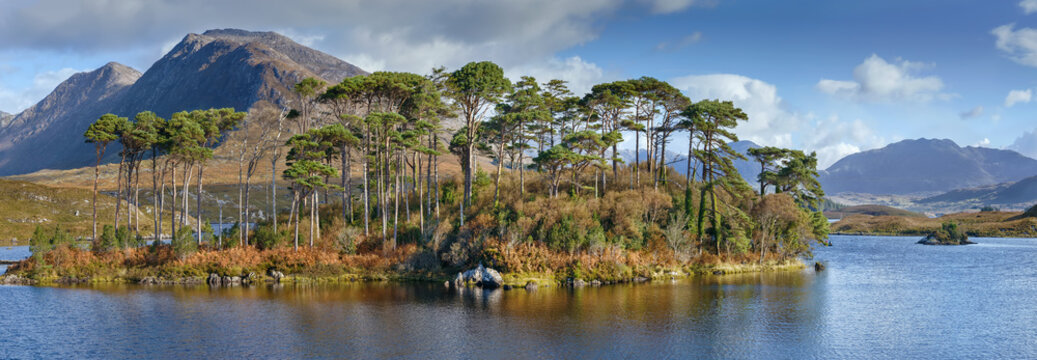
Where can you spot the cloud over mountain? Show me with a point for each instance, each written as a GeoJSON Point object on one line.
{"type": "Point", "coordinates": [875, 79]}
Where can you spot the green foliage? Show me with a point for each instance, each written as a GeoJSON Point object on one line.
{"type": "Point", "coordinates": [184, 243]}
{"type": "Point", "coordinates": [948, 234]}
{"type": "Point", "coordinates": [266, 238]}
{"type": "Point", "coordinates": [107, 241]}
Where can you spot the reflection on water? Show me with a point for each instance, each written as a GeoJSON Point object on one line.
{"type": "Point", "coordinates": [880, 297]}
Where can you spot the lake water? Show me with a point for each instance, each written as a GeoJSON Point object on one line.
{"type": "Point", "coordinates": [881, 297]}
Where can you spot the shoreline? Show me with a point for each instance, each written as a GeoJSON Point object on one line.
{"type": "Point", "coordinates": [510, 280]}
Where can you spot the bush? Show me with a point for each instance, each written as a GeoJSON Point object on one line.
{"type": "Point", "coordinates": [266, 238]}
{"type": "Point", "coordinates": [346, 240]}
{"type": "Point", "coordinates": [184, 243]}
{"type": "Point", "coordinates": [107, 241]}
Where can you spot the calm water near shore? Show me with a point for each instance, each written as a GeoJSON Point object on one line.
{"type": "Point", "coordinates": [881, 297]}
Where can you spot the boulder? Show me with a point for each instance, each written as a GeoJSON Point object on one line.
{"type": "Point", "coordinates": [490, 278]}
{"type": "Point", "coordinates": [214, 280]}
{"type": "Point", "coordinates": [276, 275]}
{"type": "Point", "coordinates": [506, 287]}
{"type": "Point", "coordinates": [819, 266]}
{"type": "Point", "coordinates": [531, 285]}
{"type": "Point", "coordinates": [148, 280]}
{"type": "Point", "coordinates": [482, 276]}
{"type": "Point", "coordinates": [595, 283]}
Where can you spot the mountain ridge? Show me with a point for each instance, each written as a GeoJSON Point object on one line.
{"type": "Point", "coordinates": [215, 69]}
{"type": "Point", "coordinates": [924, 165]}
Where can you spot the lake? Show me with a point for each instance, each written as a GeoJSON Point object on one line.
{"type": "Point", "coordinates": [880, 297]}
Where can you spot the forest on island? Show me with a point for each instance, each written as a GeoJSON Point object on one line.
{"type": "Point", "coordinates": [530, 180]}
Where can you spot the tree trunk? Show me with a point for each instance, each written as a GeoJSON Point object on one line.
{"type": "Point", "coordinates": [155, 193]}
{"type": "Point", "coordinates": [496, 182]}
{"type": "Point", "coordinates": [273, 191]}
{"type": "Point", "coordinates": [245, 224]}
{"type": "Point", "coordinates": [198, 208]}
{"type": "Point", "coordinates": [173, 220]}
{"type": "Point", "coordinates": [96, 173]}
{"type": "Point", "coordinates": [345, 188]}
{"type": "Point", "coordinates": [293, 215]}
{"type": "Point", "coordinates": [118, 191]}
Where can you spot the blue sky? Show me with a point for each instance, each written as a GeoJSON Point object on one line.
{"type": "Point", "coordinates": [832, 76]}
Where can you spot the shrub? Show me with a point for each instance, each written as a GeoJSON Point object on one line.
{"type": "Point", "coordinates": [184, 242]}
{"type": "Point", "coordinates": [107, 241]}
{"type": "Point", "coordinates": [346, 240]}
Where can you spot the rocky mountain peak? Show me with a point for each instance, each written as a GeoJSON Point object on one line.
{"type": "Point", "coordinates": [215, 69]}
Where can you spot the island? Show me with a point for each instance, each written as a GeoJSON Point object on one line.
{"type": "Point", "coordinates": [404, 177]}
{"type": "Point", "coordinates": [948, 234]}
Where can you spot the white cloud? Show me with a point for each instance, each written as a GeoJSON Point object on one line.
{"type": "Point", "coordinates": [1029, 6]}
{"type": "Point", "coordinates": [16, 100]}
{"type": "Point", "coordinates": [579, 74]}
{"type": "Point", "coordinates": [672, 6]}
{"type": "Point", "coordinates": [1018, 96]}
{"type": "Point", "coordinates": [1026, 144]}
{"type": "Point", "coordinates": [689, 39]}
{"type": "Point", "coordinates": [833, 139]}
{"type": "Point", "coordinates": [982, 143]}
{"type": "Point", "coordinates": [770, 123]}
{"type": "Point", "coordinates": [875, 79]}
{"type": "Point", "coordinates": [1019, 45]}
{"type": "Point", "coordinates": [405, 35]}
{"type": "Point", "coordinates": [971, 114]}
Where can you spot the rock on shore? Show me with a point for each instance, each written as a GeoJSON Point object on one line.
{"type": "Point", "coordinates": [482, 276]}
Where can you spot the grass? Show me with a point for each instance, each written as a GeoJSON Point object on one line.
{"type": "Point", "coordinates": [24, 205]}
{"type": "Point", "coordinates": [975, 224]}
{"type": "Point", "coordinates": [324, 266]}
{"type": "Point", "coordinates": [873, 210]}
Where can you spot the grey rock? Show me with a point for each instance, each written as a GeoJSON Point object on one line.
{"type": "Point", "coordinates": [214, 280]}
{"type": "Point", "coordinates": [531, 285]}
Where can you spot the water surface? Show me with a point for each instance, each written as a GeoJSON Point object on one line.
{"type": "Point", "coordinates": [881, 297]}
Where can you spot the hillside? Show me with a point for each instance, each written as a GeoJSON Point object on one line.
{"type": "Point", "coordinates": [748, 169]}
{"type": "Point", "coordinates": [925, 165]}
{"type": "Point", "coordinates": [25, 205]}
{"type": "Point", "coordinates": [218, 68]}
{"type": "Point", "coordinates": [981, 224]}
{"type": "Point", "coordinates": [871, 210]}
{"type": "Point", "coordinates": [1018, 194]}
{"type": "Point", "coordinates": [5, 118]}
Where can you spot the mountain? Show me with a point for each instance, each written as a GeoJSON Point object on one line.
{"type": "Point", "coordinates": [746, 168]}
{"type": "Point", "coordinates": [5, 119]}
{"type": "Point", "coordinates": [924, 165]}
{"type": "Point", "coordinates": [218, 68]}
{"type": "Point", "coordinates": [50, 133]}
{"type": "Point", "coordinates": [1020, 194]}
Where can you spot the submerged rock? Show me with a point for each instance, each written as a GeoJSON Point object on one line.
{"type": "Point", "coordinates": [531, 285]}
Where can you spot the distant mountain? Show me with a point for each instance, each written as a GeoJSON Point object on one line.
{"type": "Point", "coordinates": [873, 210]}
{"type": "Point", "coordinates": [50, 133]}
{"type": "Point", "coordinates": [219, 68]}
{"type": "Point", "coordinates": [925, 165]}
{"type": "Point", "coordinates": [5, 118]}
{"type": "Point", "coordinates": [746, 168]}
{"type": "Point", "coordinates": [1018, 194]}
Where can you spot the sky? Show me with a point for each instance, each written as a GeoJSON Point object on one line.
{"type": "Point", "coordinates": [836, 77]}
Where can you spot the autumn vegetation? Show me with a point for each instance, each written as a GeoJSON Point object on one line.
{"type": "Point", "coordinates": [538, 192]}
